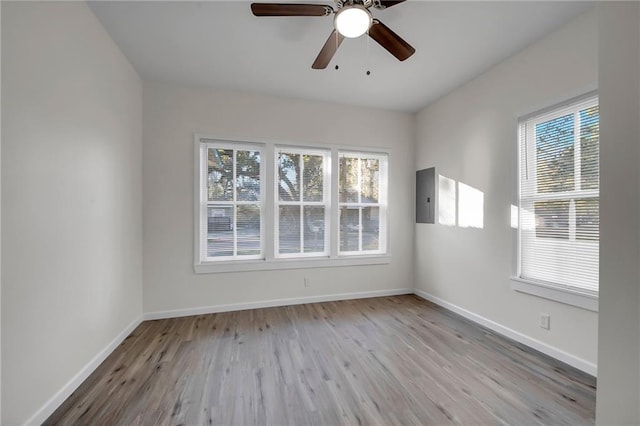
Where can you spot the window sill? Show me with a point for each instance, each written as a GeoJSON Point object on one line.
{"type": "Point", "coordinates": [580, 299]}
{"type": "Point", "coordinates": [281, 264]}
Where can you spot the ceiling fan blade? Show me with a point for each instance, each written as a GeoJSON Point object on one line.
{"type": "Point", "coordinates": [328, 50]}
{"type": "Point", "coordinates": [390, 40]}
{"type": "Point", "coordinates": [290, 9]}
{"type": "Point", "coordinates": [383, 4]}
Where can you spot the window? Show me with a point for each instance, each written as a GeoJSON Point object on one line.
{"type": "Point", "coordinates": [321, 206]}
{"type": "Point", "coordinates": [362, 203]}
{"type": "Point", "coordinates": [302, 203]}
{"type": "Point", "coordinates": [559, 198]}
{"type": "Point", "coordinates": [231, 209]}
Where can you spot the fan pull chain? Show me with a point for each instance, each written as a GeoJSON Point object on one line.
{"type": "Point", "coordinates": [368, 54]}
{"type": "Point", "coordinates": [337, 45]}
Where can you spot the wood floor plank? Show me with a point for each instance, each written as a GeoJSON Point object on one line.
{"type": "Point", "coordinates": [381, 361]}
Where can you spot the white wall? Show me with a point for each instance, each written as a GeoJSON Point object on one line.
{"type": "Point", "coordinates": [618, 394]}
{"type": "Point", "coordinates": [470, 136]}
{"type": "Point", "coordinates": [71, 192]}
{"type": "Point", "coordinates": [171, 116]}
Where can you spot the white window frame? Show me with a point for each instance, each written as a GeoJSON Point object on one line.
{"type": "Point", "coordinates": [269, 260]}
{"type": "Point", "coordinates": [381, 204]}
{"type": "Point", "coordinates": [326, 200]}
{"type": "Point", "coordinates": [567, 294]}
{"type": "Point", "coordinates": [204, 203]}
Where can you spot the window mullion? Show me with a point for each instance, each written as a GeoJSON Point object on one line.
{"type": "Point", "coordinates": [572, 220]}
{"type": "Point", "coordinates": [301, 218]}
{"type": "Point", "coordinates": [577, 154]}
{"type": "Point", "coordinates": [359, 180]}
{"type": "Point", "coordinates": [271, 204]}
{"type": "Point", "coordinates": [334, 214]}
{"type": "Point", "coordinates": [204, 199]}
{"type": "Point", "coordinates": [530, 184]}
{"type": "Point", "coordinates": [359, 203]}
{"type": "Point", "coordinates": [301, 198]}
{"type": "Point", "coordinates": [360, 226]}
{"type": "Point", "coordinates": [326, 201]}
{"type": "Point", "coordinates": [235, 206]}
{"type": "Point", "coordinates": [550, 196]}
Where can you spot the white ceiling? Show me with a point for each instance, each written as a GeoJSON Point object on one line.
{"type": "Point", "coordinates": [221, 44]}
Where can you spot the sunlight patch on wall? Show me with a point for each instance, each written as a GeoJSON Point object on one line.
{"type": "Point", "coordinates": [514, 216]}
{"type": "Point", "coordinates": [446, 201]}
{"type": "Point", "coordinates": [460, 204]}
{"type": "Point", "coordinates": [470, 207]}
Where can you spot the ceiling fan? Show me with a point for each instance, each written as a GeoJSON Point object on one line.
{"type": "Point", "coordinates": [352, 19]}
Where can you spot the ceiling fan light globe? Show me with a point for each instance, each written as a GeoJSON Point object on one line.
{"type": "Point", "coordinates": [353, 21]}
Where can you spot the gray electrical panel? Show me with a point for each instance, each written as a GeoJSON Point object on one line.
{"type": "Point", "coordinates": [426, 195]}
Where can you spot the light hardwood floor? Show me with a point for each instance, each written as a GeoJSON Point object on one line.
{"type": "Point", "coordinates": [382, 361]}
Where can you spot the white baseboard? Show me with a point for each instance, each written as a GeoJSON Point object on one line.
{"type": "Point", "coordinates": [273, 303]}
{"type": "Point", "coordinates": [572, 360]}
{"type": "Point", "coordinates": [56, 400]}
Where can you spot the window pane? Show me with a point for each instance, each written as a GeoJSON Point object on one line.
{"type": "Point", "coordinates": [359, 225]}
{"type": "Point", "coordinates": [552, 219]}
{"type": "Point", "coordinates": [554, 155]}
{"type": "Point", "coordinates": [312, 179]}
{"type": "Point", "coordinates": [589, 148]}
{"type": "Point", "coordinates": [220, 174]}
{"type": "Point", "coordinates": [587, 219]}
{"type": "Point", "coordinates": [314, 229]}
{"type": "Point", "coordinates": [370, 228]}
{"type": "Point", "coordinates": [348, 184]}
{"type": "Point", "coordinates": [370, 169]}
{"type": "Point", "coordinates": [289, 220]}
{"type": "Point", "coordinates": [350, 229]}
{"type": "Point", "coordinates": [219, 231]}
{"type": "Point", "coordinates": [248, 175]}
{"type": "Point", "coordinates": [248, 230]}
{"type": "Point", "coordinates": [289, 177]}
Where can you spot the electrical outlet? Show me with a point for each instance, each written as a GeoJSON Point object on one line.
{"type": "Point", "coordinates": [307, 283]}
{"type": "Point", "coordinates": [545, 321]}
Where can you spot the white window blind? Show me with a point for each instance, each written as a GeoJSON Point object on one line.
{"type": "Point", "coordinates": [559, 197]}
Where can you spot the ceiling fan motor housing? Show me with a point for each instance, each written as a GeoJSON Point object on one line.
{"type": "Point", "coordinates": [352, 20]}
